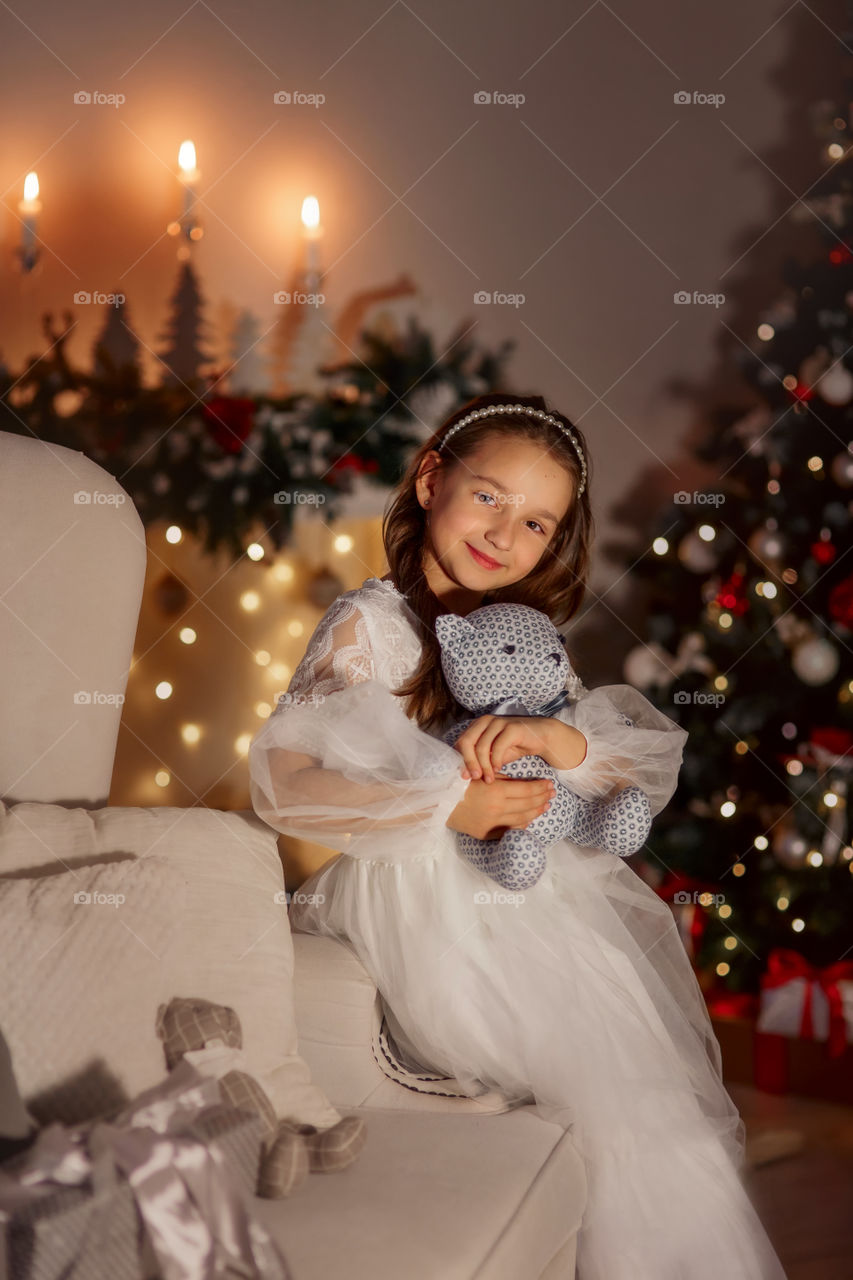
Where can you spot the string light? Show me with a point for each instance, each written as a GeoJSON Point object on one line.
{"type": "Point", "coordinates": [163, 690]}
{"type": "Point", "coordinates": [174, 533]}
{"type": "Point", "coordinates": [660, 546]}
{"type": "Point", "coordinates": [707, 532]}
{"type": "Point", "coordinates": [798, 925]}
{"type": "Point", "coordinates": [186, 635]}
{"type": "Point", "coordinates": [262, 657]}
{"type": "Point", "coordinates": [343, 542]}
{"type": "Point", "coordinates": [162, 777]}
{"type": "Point", "coordinates": [249, 601]}
{"type": "Point", "coordinates": [760, 842]}
{"type": "Point", "coordinates": [255, 551]}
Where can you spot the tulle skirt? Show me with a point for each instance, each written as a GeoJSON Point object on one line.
{"type": "Point", "coordinates": [577, 995]}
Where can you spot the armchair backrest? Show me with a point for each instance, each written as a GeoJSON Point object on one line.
{"type": "Point", "coordinates": [72, 569]}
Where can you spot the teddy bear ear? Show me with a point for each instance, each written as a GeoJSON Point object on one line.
{"type": "Point", "coordinates": [161, 1021]}
{"type": "Point", "coordinates": [450, 626]}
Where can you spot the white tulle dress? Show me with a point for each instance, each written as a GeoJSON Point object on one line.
{"type": "Point", "coordinates": [577, 995]}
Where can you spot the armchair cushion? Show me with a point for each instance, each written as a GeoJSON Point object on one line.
{"type": "Point", "coordinates": [226, 938]}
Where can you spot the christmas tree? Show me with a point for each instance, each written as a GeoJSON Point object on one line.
{"type": "Point", "coordinates": [184, 356]}
{"type": "Point", "coordinates": [749, 590]}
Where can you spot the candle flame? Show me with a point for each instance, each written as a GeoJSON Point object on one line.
{"type": "Point", "coordinates": [31, 187]}
{"type": "Point", "coordinates": [310, 212]}
{"type": "Point", "coordinates": [186, 156]}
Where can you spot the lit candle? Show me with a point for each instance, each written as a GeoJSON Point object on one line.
{"type": "Point", "coordinates": [189, 176]}
{"type": "Point", "coordinates": [313, 234]}
{"type": "Point", "coordinates": [29, 209]}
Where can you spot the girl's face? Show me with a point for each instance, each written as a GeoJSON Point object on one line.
{"type": "Point", "coordinates": [491, 517]}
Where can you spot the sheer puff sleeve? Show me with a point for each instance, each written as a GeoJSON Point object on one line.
{"type": "Point", "coordinates": [340, 763]}
{"type": "Point", "coordinates": [629, 742]}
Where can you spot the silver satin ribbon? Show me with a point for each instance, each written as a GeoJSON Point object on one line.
{"type": "Point", "coordinates": [196, 1221]}
{"type": "Point", "coordinates": [515, 707]}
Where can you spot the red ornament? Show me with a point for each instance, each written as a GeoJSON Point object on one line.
{"type": "Point", "coordinates": [836, 741]}
{"type": "Point", "coordinates": [732, 596]}
{"type": "Point", "coordinates": [823, 552]}
{"type": "Point", "coordinates": [800, 392]}
{"type": "Point", "coordinates": [839, 255]}
{"type": "Point", "coordinates": [229, 420]}
{"type": "Point", "coordinates": [352, 462]}
{"type": "Point", "coordinates": [841, 603]}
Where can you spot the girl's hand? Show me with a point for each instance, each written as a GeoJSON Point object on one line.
{"type": "Point", "coordinates": [487, 812]}
{"type": "Point", "coordinates": [490, 742]}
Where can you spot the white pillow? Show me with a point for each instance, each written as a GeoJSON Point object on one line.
{"type": "Point", "coordinates": [84, 954]}
{"type": "Point", "coordinates": [229, 940]}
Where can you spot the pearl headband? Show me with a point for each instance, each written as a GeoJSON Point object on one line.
{"type": "Point", "coordinates": [492, 409]}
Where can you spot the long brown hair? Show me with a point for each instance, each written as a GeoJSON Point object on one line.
{"type": "Point", "coordinates": [556, 585]}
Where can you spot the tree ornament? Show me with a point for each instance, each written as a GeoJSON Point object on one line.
{"type": "Point", "coordinates": [841, 603]}
{"type": "Point", "coordinates": [841, 469]}
{"type": "Point", "coordinates": [732, 595]}
{"type": "Point", "coordinates": [836, 385]}
{"type": "Point", "coordinates": [648, 664]}
{"type": "Point", "coordinates": [696, 554]}
{"type": "Point", "coordinates": [815, 661]}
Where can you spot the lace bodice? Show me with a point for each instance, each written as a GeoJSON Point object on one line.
{"type": "Point", "coordinates": [369, 633]}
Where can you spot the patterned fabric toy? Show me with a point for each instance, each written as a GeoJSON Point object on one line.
{"type": "Point", "coordinates": [509, 659]}
{"type": "Point", "coordinates": [210, 1036]}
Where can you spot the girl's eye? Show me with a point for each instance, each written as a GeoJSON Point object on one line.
{"type": "Point", "coordinates": [481, 493]}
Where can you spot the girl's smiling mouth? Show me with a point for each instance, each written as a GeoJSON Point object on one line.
{"type": "Point", "coordinates": [484, 561]}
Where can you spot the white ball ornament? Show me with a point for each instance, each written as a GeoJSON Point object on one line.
{"type": "Point", "coordinates": [842, 469]}
{"type": "Point", "coordinates": [815, 661]}
{"type": "Point", "coordinates": [695, 554]}
{"type": "Point", "coordinates": [648, 664]}
{"type": "Point", "coordinates": [836, 385]}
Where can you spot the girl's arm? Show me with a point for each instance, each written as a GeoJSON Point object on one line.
{"type": "Point", "coordinates": [628, 742]}
{"type": "Point", "coordinates": [340, 763]}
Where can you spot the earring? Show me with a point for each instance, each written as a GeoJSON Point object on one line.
{"type": "Point", "coordinates": [426, 502]}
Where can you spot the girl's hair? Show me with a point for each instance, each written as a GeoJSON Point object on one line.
{"type": "Point", "coordinates": [556, 585]}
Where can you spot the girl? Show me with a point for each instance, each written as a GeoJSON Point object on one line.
{"type": "Point", "coordinates": [578, 995]}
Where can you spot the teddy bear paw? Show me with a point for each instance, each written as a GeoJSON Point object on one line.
{"type": "Point", "coordinates": [336, 1147]}
{"type": "Point", "coordinates": [285, 1164]}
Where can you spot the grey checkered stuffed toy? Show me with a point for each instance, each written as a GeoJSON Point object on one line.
{"type": "Point", "coordinates": [509, 659]}
{"type": "Point", "coordinates": [187, 1025]}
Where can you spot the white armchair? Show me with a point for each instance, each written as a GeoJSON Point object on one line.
{"type": "Point", "coordinates": [447, 1187]}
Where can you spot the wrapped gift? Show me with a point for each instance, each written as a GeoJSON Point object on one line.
{"type": "Point", "coordinates": [800, 1000]}
{"type": "Point", "coordinates": [160, 1190]}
